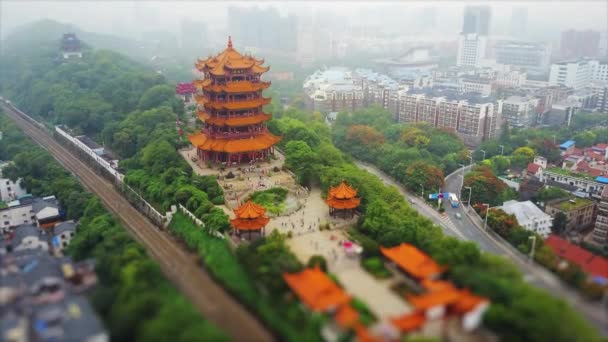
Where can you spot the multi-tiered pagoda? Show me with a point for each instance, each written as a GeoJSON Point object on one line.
{"type": "Point", "coordinates": [230, 105]}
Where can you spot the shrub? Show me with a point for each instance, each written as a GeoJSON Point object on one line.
{"type": "Point", "coordinates": [317, 260]}
{"type": "Point", "coordinates": [375, 266]}
{"type": "Point", "coordinates": [230, 175]}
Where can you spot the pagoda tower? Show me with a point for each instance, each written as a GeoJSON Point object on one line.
{"type": "Point", "coordinates": [342, 198]}
{"type": "Point", "coordinates": [249, 217]}
{"type": "Point", "coordinates": [230, 102]}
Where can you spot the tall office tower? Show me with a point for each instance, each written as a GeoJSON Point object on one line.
{"type": "Point", "coordinates": [476, 20]}
{"type": "Point", "coordinates": [473, 38]}
{"type": "Point", "coordinates": [575, 44]}
{"type": "Point", "coordinates": [519, 22]}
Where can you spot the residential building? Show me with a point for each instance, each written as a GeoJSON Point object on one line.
{"type": "Point", "coordinates": [519, 111]}
{"type": "Point", "coordinates": [475, 85]}
{"type": "Point", "coordinates": [533, 57]}
{"type": "Point", "coordinates": [572, 73]}
{"type": "Point", "coordinates": [9, 190]}
{"type": "Point", "coordinates": [43, 212]}
{"type": "Point", "coordinates": [63, 234]}
{"type": "Point", "coordinates": [593, 186]}
{"type": "Point", "coordinates": [599, 235]}
{"type": "Point", "coordinates": [579, 211]}
{"type": "Point", "coordinates": [510, 79]}
{"type": "Point", "coordinates": [529, 216]}
{"type": "Point", "coordinates": [43, 298]}
{"type": "Point", "coordinates": [530, 188]}
{"type": "Point", "coordinates": [473, 118]}
{"type": "Point", "coordinates": [415, 60]}
{"type": "Point", "coordinates": [471, 50]}
{"type": "Point", "coordinates": [575, 44]}
{"type": "Point", "coordinates": [561, 113]}
{"type": "Point", "coordinates": [599, 70]}
{"type": "Point", "coordinates": [337, 89]}
{"type": "Point", "coordinates": [28, 236]}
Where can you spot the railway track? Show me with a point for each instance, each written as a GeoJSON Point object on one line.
{"type": "Point", "coordinates": [179, 266]}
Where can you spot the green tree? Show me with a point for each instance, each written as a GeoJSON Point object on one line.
{"type": "Point", "coordinates": [560, 221]}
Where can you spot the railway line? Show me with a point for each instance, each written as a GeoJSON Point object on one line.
{"type": "Point", "coordinates": [179, 266]}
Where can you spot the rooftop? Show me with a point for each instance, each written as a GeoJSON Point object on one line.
{"type": "Point", "coordinates": [566, 204]}
{"type": "Point", "coordinates": [525, 211]}
{"type": "Point", "coordinates": [452, 95]}
{"type": "Point", "coordinates": [413, 261]}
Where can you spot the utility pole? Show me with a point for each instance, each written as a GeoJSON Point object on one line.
{"type": "Point", "coordinates": [485, 221]}
{"type": "Point", "coordinates": [533, 238]}
{"type": "Point", "coordinates": [470, 191]}
{"type": "Point", "coordinates": [422, 186]}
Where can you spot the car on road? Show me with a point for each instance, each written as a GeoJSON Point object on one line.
{"type": "Point", "coordinates": [412, 201]}
{"type": "Point", "coordinates": [458, 216]}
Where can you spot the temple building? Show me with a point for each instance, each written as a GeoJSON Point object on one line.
{"type": "Point", "coordinates": [342, 198]}
{"type": "Point", "coordinates": [230, 104]}
{"type": "Point", "coordinates": [250, 218]}
{"type": "Point", "coordinates": [70, 46]}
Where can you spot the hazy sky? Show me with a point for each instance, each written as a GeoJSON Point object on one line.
{"type": "Point", "coordinates": [126, 16]}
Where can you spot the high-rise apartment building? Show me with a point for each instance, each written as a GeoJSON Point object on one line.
{"type": "Point", "coordinates": [473, 38]}
{"type": "Point", "coordinates": [599, 70]}
{"type": "Point", "coordinates": [600, 232]}
{"type": "Point", "coordinates": [576, 44]}
{"type": "Point", "coordinates": [519, 111]}
{"type": "Point", "coordinates": [474, 119]}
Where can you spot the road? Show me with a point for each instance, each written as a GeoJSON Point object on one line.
{"type": "Point", "coordinates": [179, 266]}
{"type": "Point", "coordinates": [465, 229]}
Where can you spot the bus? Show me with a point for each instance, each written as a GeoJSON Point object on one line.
{"type": "Point", "coordinates": [453, 200]}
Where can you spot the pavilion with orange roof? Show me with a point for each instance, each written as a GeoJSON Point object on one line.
{"type": "Point", "coordinates": [317, 291]}
{"type": "Point", "coordinates": [230, 103]}
{"type": "Point", "coordinates": [342, 198]}
{"type": "Point", "coordinates": [413, 261]}
{"type": "Point", "coordinates": [250, 218]}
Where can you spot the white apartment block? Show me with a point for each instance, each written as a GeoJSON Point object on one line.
{"type": "Point", "coordinates": [599, 70]}
{"type": "Point", "coordinates": [529, 216]}
{"type": "Point", "coordinates": [474, 122]}
{"type": "Point", "coordinates": [574, 74]}
{"type": "Point", "coordinates": [479, 86]}
{"type": "Point", "coordinates": [9, 190]}
{"type": "Point", "coordinates": [471, 50]}
{"type": "Point", "coordinates": [510, 79]}
{"type": "Point", "coordinates": [520, 111]}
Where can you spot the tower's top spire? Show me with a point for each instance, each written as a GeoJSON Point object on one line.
{"type": "Point", "coordinates": [230, 41]}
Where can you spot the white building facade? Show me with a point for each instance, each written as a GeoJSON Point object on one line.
{"type": "Point", "coordinates": [574, 74]}
{"type": "Point", "coordinates": [471, 50]}
{"type": "Point", "coordinates": [529, 216]}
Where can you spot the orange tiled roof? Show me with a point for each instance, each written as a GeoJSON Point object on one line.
{"type": "Point", "coordinates": [234, 121]}
{"type": "Point", "coordinates": [467, 302]}
{"type": "Point", "coordinates": [236, 87]}
{"type": "Point", "coordinates": [231, 59]}
{"type": "Point", "coordinates": [255, 143]}
{"type": "Point", "coordinates": [435, 298]}
{"type": "Point", "coordinates": [409, 322]}
{"type": "Point", "coordinates": [346, 316]}
{"type": "Point", "coordinates": [232, 105]}
{"type": "Point", "coordinates": [249, 210]}
{"type": "Point", "coordinates": [350, 203]}
{"type": "Point", "coordinates": [342, 191]}
{"type": "Point", "coordinates": [412, 260]}
{"type": "Point", "coordinates": [436, 285]}
{"type": "Point", "coordinates": [316, 289]}
{"type": "Point", "coordinates": [250, 224]}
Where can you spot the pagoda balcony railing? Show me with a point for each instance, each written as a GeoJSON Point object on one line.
{"type": "Point", "coordinates": [236, 116]}
{"type": "Point", "coordinates": [206, 98]}
{"type": "Point", "coordinates": [232, 135]}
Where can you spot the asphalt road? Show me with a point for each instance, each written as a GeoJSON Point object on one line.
{"type": "Point", "coordinates": [464, 229]}
{"type": "Point", "coordinates": [178, 265]}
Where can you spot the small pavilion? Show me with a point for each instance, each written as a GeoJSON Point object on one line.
{"type": "Point", "coordinates": [250, 218]}
{"type": "Point", "coordinates": [342, 198]}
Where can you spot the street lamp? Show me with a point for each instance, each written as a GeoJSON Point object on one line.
{"type": "Point", "coordinates": [533, 238]}
{"type": "Point", "coordinates": [553, 139]}
{"type": "Point", "coordinates": [502, 149]}
{"type": "Point", "coordinates": [484, 154]}
{"type": "Point", "coordinates": [470, 192]}
{"type": "Point", "coordinates": [422, 186]}
{"type": "Point", "coordinates": [485, 221]}
{"type": "Point", "coordinates": [471, 160]}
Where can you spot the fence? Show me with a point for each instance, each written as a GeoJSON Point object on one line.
{"type": "Point", "coordinates": [101, 167]}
